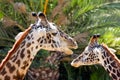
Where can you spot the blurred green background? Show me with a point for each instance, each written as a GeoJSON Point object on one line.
{"type": "Point", "coordinates": [78, 18]}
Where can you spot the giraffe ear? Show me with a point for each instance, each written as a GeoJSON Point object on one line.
{"type": "Point", "coordinates": [112, 50]}
{"type": "Point", "coordinates": [18, 35]}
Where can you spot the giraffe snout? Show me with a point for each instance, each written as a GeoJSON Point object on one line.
{"type": "Point", "coordinates": [72, 43]}
{"type": "Point", "coordinates": [67, 51]}
{"type": "Point", "coordinates": [74, 64]}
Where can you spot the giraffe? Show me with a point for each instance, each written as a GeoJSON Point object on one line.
{"type": "Point", "coordinates": [40, 35]}
{"type": "Point", "coordinates": [101, 54]}
{"type": "Point", "coordinates": [50, 71]}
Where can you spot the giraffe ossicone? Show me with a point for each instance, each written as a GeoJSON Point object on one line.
{"type": "Point", "coordinates": [101, 54]}
{"type": "Point", "coordinates": [40, 35]}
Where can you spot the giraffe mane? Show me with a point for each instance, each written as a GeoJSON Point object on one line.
{"type": "Point", "coordinates": [15, 47]}
{"type": "Point", "coordinates": [111, 53]}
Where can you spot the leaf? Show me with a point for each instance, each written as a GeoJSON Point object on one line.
{"type": "Point", "coordinates": [58, 13]}
{"type": "Point", "coordinates": [1, 15]}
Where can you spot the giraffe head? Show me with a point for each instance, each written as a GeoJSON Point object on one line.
{"type": "Point", "coordinates": [49, 37]}
{"type": "Point", "coordinates": [92, 53]}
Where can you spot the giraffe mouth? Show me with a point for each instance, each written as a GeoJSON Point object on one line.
{"type": "Point", "coordinates": [68, 51]}
{"type": "Point", "coordinates": [74, 65]}
{"type": "Point", "coordinates": [72, 44]}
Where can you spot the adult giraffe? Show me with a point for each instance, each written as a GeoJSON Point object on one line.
{"type": "Point", "coordinates": [40, 35]}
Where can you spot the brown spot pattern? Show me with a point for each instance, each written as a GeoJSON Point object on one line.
{"type": "Point", "coordinates": [16, 56]}
{"type": "Point", "coordinates": [28, 56]}
{"type": "Point", "coordinates": [28, 37]}
{"type": "Point", "coordinates": [22, 53]}
{"type": "Point", "coordinates": [23, 44]}
{"type": "Point", "coordinates": [7, 77]}
{"type": "Point", "coordinates": [39, 39]}
{"type": "Point", "coordinates": [36, 47]}
{"type": "Point", "coordinates": [113, 64]}
{"type": "Point", "coordinates": [28, 45]}
{"type": "Point", "coordinates": [28, 51]}
{"type": "Point", "coordinates": [114, 76]}
{"type": "Point", "coordinates": [33, 42]}
{"type": "Point", "coordinates": [10, 67]}
{"type": "Point", "coordinates": [12, 57]}
{"type": "Point", "coordinates": [3, 72]}
{"type": "Point", "coordinates": [25, 64]}
{"type": "Point", "coordinates": [31, 59]}
{"type": "Point", "coordinates": [18, 62]}
{"type": "Point", "coordinates": [49, 41]}
{"type": "Point", "coordinates": [118, 73]}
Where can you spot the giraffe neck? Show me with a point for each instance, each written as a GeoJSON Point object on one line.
{"type": "Point", "coordinates": [54, 59]}
{"type": "Point", "coordinates": [111, 63]}
{"type": "Point", "coordinates": [19, 58]}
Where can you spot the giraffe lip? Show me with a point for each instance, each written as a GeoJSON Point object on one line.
{"type": "Point", "coordinates": [67, 51]}
{"type": "Point", "coordinates": [73, 47]}
{"type": "Point", "coordinates": [74, 65]}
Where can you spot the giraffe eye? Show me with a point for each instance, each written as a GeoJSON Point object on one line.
{"type": "Point", "coordinates": [85, 53]}
{"type": "Point", "coordinates": [54, 24]}
{"type": "Point", "coordinates": [54, 34]}
{"type": "Point", "coordinates": [40, 26]}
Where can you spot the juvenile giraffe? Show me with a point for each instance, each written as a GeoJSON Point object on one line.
{"type": "Point", "coordinates": [40, 35]}
{"type": "Point", "coordinates": [49, 70]}
{"type": "Point", "coordinates": [96, 53]}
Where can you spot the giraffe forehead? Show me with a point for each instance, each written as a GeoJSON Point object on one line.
{"type": "Point", "coordinates": [50, 27]}
{"type": "Point", "coordinates": [90, 52]}
{"type": "Point", "coordinates": [38, 22]}
{"type": "Point", "coordinates": [96, 50]}
{"type": "Point", "coordinates": [45, 24]}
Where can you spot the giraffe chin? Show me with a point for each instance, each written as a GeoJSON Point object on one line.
{"type": "Point", "coordinates": [68, 51]}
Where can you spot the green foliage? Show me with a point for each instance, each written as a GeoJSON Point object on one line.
{"type": "Point", "coordinates": [40, 59]}
{"type": "Point", "coordinates": [91, 16]}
